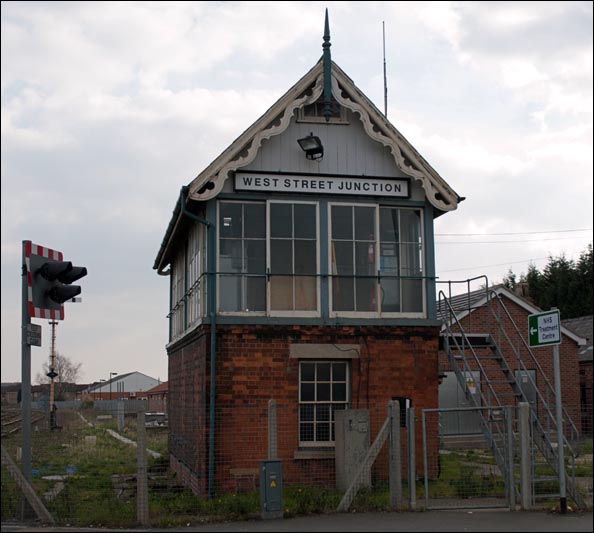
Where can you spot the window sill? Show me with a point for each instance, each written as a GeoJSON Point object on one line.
{"type": "Point", "coordinates": [314, 454]}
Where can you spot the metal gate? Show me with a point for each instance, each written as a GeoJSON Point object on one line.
{"type": "Point", "coordinates": [473, 470]}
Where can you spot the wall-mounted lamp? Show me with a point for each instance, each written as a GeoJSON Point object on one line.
{"type": "Point", "coordinates": [312, 146]}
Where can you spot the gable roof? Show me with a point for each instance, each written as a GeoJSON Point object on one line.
{"type": "Point", "coordinates": [99, 385]}
{"type": "Point", "coordinates": [466, 303]}
{"type": "Point", "coordinates": [277, 119]}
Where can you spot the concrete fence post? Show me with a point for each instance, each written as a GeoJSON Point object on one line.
{"type": "Point", "coordinates": [120, 413]}
{"type": "Point", "coordinates": [525, 456]}
{"type": "Point", "coordinates": [412, 471]}
{"type": "Point", "coordinates": [142, 512]}
{"type": "Point", "coordinates": [395, 456]}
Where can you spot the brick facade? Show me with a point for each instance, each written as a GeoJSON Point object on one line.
{"type": "Point", "coordinates": [586, 380]}
{"type": "Point", "coordinates": [254, 365]}
{"type": "Point", "coordinates": [482, 321]}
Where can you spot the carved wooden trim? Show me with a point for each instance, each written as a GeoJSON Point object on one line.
{"type": "Point", "coordinates": [407, 162]}
{"type": "Point", "coordinates": [245, 158]}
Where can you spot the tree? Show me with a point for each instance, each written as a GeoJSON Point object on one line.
{"type": "Point", "coordinates": [67, 370]}
{"type": "Point", "coordinates": [509, 281]}
{"type": "Point", "coordinates": [563, 284]}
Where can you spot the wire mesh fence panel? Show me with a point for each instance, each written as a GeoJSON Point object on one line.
{"type": "Point", "coordinates": [87, 471]}
{"type": "Point", "coordinates": [464, 470]}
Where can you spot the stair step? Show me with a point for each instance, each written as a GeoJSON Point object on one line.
{"type": "Point", "coordinates": [476, 340]}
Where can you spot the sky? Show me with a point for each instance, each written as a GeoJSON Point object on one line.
{"type": "Point", "coordinates": [108, 109]}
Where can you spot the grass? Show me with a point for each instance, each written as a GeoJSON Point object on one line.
{"type": "Point", "coordinates": [89, 458]}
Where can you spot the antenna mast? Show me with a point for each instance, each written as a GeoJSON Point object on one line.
{"type": "Point", "coordinates": [385, 78]}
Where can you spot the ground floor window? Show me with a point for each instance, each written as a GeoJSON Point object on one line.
{"type": "Point", "coordinates": [323, 390]}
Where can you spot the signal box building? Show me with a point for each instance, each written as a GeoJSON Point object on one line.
{"type": "Point", "coordinates": [301, 267]}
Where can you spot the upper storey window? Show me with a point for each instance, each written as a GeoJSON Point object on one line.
{"type": "Point", "coordinates": [376, 261]}
{"type": "Point", "coordinates": [268, 258]}
{"type": "Point", "coordinates": [242, 257]}
{"type": "Point", "coordinates": [293, 257]}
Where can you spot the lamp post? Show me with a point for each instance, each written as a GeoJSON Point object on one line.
{"type": "Point", "coordinates": [111, 374]}
{"type": "Point", "coordinates": [101, 381]}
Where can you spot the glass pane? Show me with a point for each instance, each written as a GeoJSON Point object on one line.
{"type": "Point", "coordinates": [254, 221]}
{"type": "Point", "coordinates": [230, 220]}
{"type": "Point", "coordinates": [281, 256]}
{"type": "Point", "coordinates": [339, 392]}
{"type": "Point", "coordinates": [411, 260]}
{"type": "Point", "coordinates": [229, 293]}
{"type": "Point", "coordinates": [230, 256]}
{"type": "Point", "coordinates": [342, 222]}
{"type": "Point", "coordinates": [339, 372]}
{"type": "Point", "coordinates": [305, 221]}
{"type": "Point", "coordinates": [412, 296]}
{"type": "Point", "coordinates": [306, 297]}
{"type": "Point", "coordinates": [281, 220]}
{"type": "Point", "coordinates": [366, 294]}
{"type": "Point", "coordinates": [308, 371]}
{"type": "Point", "coordinates": [306, 432]}
{"type": "Point", "coordinates": [306, 413]}
{"type": "Point", "coordinates": [389, 258]}
{"type": "Point", "coordinates": [323, 392]}
{"type": "Point", "coordinates": [411, 225]}
{"type": "Point", "coordinates": [305, 257]}
{"type": "Point", "coordinates": [323, 372]}
{"type": "Point", "coordinates": [343, 294]}
{"type": "Point", "coordinates": [256, 294]}
{"type": "Point", "coordinates": [255, 256]}
{"type": "Point", "coordinates": [365, 223]}
{"type": "Point", "coordinates": [390, 295]}
{"type": "Point", "coordinates": [281, 293]}
{"type": "Point", "coordinates": [307, 392]}
{"type": "Point", "coordinates": [342, 258]}
{"type": "Point", "coordinates": [323, 413]}
{"type": "Point", "coordinates": [323, 432]}
{"type": "Point", "coordinates": [365, 259]}
{"type": "Point", "coordinates": [389, 225]}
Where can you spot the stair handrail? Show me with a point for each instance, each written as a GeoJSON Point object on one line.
{"type": "Point", "coordinates": [493, 296]}
{"type": "Point", "coordinates": [484, 423]}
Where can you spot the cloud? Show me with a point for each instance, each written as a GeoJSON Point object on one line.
{"type": "Point", "coordinates": [108, 109]}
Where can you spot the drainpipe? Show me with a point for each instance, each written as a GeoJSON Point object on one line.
{"type": "Point", "coordinates": [211, 267]}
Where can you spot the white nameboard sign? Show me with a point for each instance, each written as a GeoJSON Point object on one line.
{"type": "Point", "coordinates": [355, 185]}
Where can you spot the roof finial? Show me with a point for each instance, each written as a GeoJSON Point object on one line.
{"type": "Point", "coordinates": [327, 70]}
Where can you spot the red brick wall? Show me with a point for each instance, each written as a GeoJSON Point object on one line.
{"type": "Point", "coordinates": [481, 321]}
{"type": "Point", "coordinates": [586, 379]}
{"type": "Point", "coordinates": [253, 366]}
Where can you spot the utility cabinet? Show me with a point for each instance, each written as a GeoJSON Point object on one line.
{"type": "Point", "coordinates": [351, 445]}
{"type": "Point", "coordinates": [271, 489]}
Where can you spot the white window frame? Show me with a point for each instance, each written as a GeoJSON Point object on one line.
{"type": "Point", "coordinates": [238, 313]}
{"type": "Point", "coordinates": [347, 403]}
{"type": "Point", "coordinates": [293, 313]}
{"type": "Point", "coordinates": [378, 313]}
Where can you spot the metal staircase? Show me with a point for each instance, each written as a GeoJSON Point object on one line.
{"type": "Point", "coordinates": [494, 346]}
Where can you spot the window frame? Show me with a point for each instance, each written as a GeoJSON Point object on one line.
{"type": "Point", "coordinates": [329, 443]}
{"type": "Point", "coordinates": [293, 313]}
{"type": "Point", "coordinates": [378, 313]}
{"type": "Point", "coordinates": [219, 311]}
